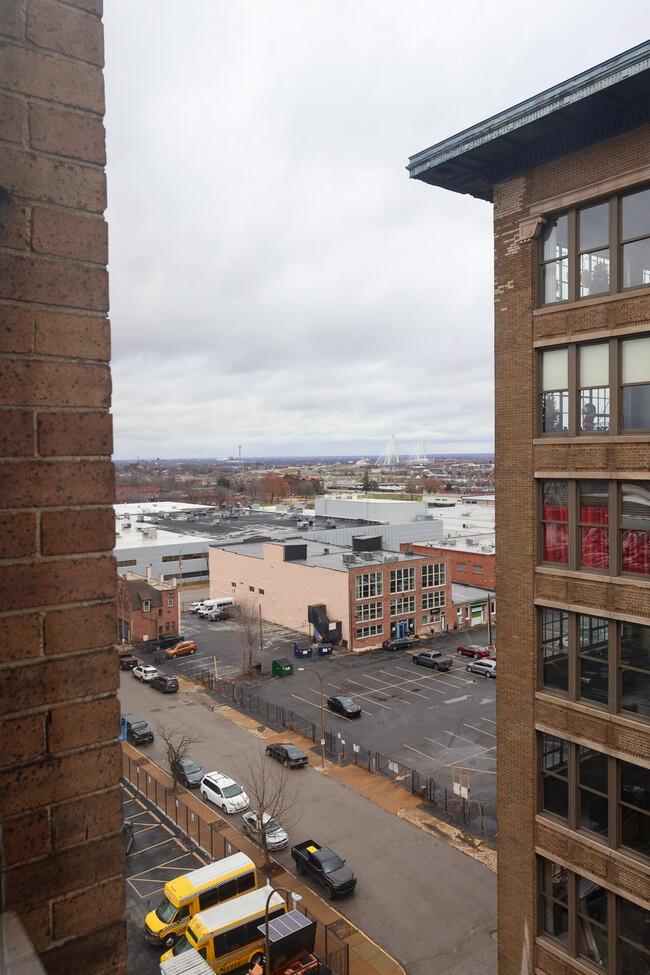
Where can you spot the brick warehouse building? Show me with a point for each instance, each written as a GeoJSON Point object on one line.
{"type": "Point", "coordinates": [60, 764]}
{"type": "Point", "coordinates": [568, 173]}
{"type": "Point", "coordinates": [354, 596]}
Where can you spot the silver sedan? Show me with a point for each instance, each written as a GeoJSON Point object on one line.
{"type": "Point", "coordinates": [276, 838]}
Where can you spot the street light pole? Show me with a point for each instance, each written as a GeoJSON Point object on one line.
{"type": "Point", "coordinates": [267, 945]}
{"type": "Point", "coordinates": [322, 715]}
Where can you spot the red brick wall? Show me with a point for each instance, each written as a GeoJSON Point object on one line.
{"type": "Point", "coordinates": [59, 761]}
{"type": "Point", "coordinates": [484, 580]}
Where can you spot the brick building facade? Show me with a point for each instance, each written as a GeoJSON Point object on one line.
{"type": "Point", "coordinates": [466, 565]}
{"type": "Point", "coordinates": [146, 609]}
{"type": "Point", "coordinates": [60, 764]}
{"type": "Point", "coordinates": [569, 175]}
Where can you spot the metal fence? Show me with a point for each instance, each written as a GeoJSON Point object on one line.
{"type": "Point", "coordinates": [331, 950]}
{"type": "Point", "coordinates": [475, 816]}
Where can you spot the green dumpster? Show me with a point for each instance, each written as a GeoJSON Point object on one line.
{"type": "Point", "coordinates": [282, 667]}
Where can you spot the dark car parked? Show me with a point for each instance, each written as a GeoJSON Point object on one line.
{"type": "Point", "coordinates": [344, 706]}
{"type": "Point", "coordinates": [165, 684]}
{"type": "Point", "coordinates": [398, 643]}
{"type": "Point", "coordinates": [128, 661]}
{"type": "Point", "coordinates": [136, 730]}
{"type": "Point", "coordinates": [289, 755]}
{"type": "Point", "coordinates": [189, 773]}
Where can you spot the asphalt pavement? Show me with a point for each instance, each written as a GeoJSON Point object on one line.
{"type": "Point", "coordinates": [419, 897]}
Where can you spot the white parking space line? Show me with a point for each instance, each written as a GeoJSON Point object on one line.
{"type": "Point", "coordinates": [480, 730]}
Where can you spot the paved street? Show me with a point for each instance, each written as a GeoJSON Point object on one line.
{"type": "Point", "coordinates": [428, 905]}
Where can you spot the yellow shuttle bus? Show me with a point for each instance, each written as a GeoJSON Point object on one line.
{"type": "Point", "coordinates": [227, 936]}
{"type": "Point", "coordinates": [197, 891]}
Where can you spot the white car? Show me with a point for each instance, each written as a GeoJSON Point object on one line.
{"type": "Point", "coordinates": [195, 607]}
{"type": "Point", "coordinates": [486, 666]}
{"type": "Point", "coordinates": [144, 673]}
{"type": "Point", "coordinates": [223, 792]}
{"type": "Point", "coordinates": [276, 837]}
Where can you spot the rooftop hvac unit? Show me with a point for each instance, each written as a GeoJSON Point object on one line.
{"type": "Point", "coordinates": [127, 525]}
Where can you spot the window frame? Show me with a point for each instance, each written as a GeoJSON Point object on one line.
{"type": "Point", "coordinates": [402, 580]}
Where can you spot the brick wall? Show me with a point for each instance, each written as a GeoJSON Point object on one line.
{"type": "Point", "coordinates": [59, 759]}
{"type": "Point", "coordinates": [518, 459]}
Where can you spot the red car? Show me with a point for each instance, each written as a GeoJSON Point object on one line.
{"type": "Point", "coordinates": [473, 651]}
{"type": "Point", "coordinates": [128, 661]}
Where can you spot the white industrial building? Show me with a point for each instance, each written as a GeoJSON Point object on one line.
{"type": "Point", "coordinates": [386, 511]}
{"type": "Point", "coordinates": [141, 544]}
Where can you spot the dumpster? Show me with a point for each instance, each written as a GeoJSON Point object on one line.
{"type": "Point", "coordinates": [325, 649]}
{"type": "Point", "coordinates": [302, 648]}
{"type": "Point", "coordinates": [282, 667]}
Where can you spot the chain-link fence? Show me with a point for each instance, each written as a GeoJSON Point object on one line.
{"type": "Point", "coordinates": [477, 817]}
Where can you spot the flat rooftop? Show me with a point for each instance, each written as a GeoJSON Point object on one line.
{"type": "Point", "coordinates": [339, 558]}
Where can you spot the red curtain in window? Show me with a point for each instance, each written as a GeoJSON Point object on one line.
{"type": "Point", "coordinates": [594, 542]}
{"type": "Point", "coordinates": [636, 551]}
{"type": "Point", "coordinates": [555, 537]}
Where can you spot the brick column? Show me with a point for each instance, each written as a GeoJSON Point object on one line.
{"type": "Point", "coordinates": [60, 765]}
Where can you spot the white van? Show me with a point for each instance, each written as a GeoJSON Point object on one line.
{"type": "Point", "coordinates": [215, 605]}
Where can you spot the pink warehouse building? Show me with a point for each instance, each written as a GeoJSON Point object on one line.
{"type": "Point", "coordinates": [354, 597]}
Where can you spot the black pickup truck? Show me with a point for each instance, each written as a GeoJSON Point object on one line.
{"type": "Point", "coordinates": [323, 864]}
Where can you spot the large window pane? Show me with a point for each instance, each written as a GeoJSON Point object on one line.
{"type": "Point", "coordinates": [555, 649]}
{"type": "Point", "coordinates": [593, 233]}
{"type": "Point", "coordinates": [635, 215]}
{"type": "Point", "coordinates": [594, 653]}
{"type": "Point", "coordinates": [555, 249]}
{"type": "Point", "coordinates": [635, 379]}
{"type": "Point", "coordinates": [635, 807]}
{"type": "Point", "coordinates": [555, 900]}
{"type": "Point", "coordinates": [555, 394]}
{"type": "Point", "coordinates": [635, 668]}
{"type": "Point", "coordinates": [555, 776]}
{"type": "Point", "coordinates": [594, 519]}
{"type": "Point", "coordinates": [555, 514]}
{"type": "Point", "coordinates": [635, 524]}
{"type": "Point", "coordinates": [592, 922]}
{"type": "Point", "coordinates": [634, 935]}
{"type": "Point", "coordinates": [593, 791]}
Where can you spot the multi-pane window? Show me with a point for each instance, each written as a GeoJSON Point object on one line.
{"type": "Point", "coordinates": [599, 249]}
{"type": "Point", "coordinates": [477, 570]}
{"type": "Point", "coordinates": [170, 600]}
{"type": "Point", "coordinates": [596, 793]}
{"type": "Point", "coordinates": [596, 525]}
{"type": "Point", "coordinates": [601, 662]}
{"type": "Point", "coordinates": [402, 580]}
{"type": "Point", "coordinates": [593, 388]}
{"type": "Point", "coordinates": [402, 605]}
{"type": "Point", "coordinates": [433, 600]}
{"type": "Point", "coordinates": [587, 921]}
{"type": "Point", "coordinates": [369, 611]}
{"type": "Point", "coordinates": [555, 517]}
{"type": "Point", "coordinates": [461, 567]}
{"type": "Point", "coordinates": [146, 605]}
{"type": "Point", "coordinates": [433, 575]}
{"type": "Point", "coordinates": [369, 584]}
{"type": "Point", "coordinates": [375, 629]}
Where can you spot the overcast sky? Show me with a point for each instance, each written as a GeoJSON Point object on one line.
{"type": "Point", "coordinates": [276, 279]}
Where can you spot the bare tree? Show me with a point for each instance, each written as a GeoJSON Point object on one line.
{"type": "Point", "coordinates": [178, 742]}
{"type": "Point", "coordinates": [273, 793]}
{"type": "Point", "coordinates": [247, 614]}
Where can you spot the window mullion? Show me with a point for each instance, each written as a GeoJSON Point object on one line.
{"type": "Point", "coordinates": [574, 263]}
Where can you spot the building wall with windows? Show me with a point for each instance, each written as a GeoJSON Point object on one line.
{"type": "Point", "coordinates": [146, 609]}
{"type": "Point", "coordinates": [374, 594]}
{"type": "Point", "coordinates": [466, 564]}
{"type": "Point", "coordinates": [572, 381]}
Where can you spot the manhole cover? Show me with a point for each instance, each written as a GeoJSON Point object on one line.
{"type": "Point", "coordinates": [341, 928]}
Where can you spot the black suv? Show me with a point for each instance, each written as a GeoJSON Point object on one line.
{"type": "Point", "coordinates": [164, 683]}
{"type": "Point", "coordinates": [138, 731]}
{"type": "Point", "coordinates": [397, 643]}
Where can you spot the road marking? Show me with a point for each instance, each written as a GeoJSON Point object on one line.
{"type": "Point", "coordinates": [481, 754]}
{"type": "Point", "coordinates": [452, 735]}
{"type": "Point", "coordinates": [438, 743]}
{"type": "Point", "coordinates": [488, 719]}
{"type": "Point", "coordinates": [480, 730]}
{"type": "Point", "coordinates": [424, 754]}
{"type": "Point", "coordinates": [455, 700]}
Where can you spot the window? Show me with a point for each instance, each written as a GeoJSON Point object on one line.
{"type": "Point", "coordinates": [369, 584]}
{"type": "Point", "coordinates": [433, 600]}
{"type": "Point", "coordinates": [146, 605]}
{"type": "Point", "coordinates": [596, 388]}
{"type": "Point", "coordinates": [233, 584]}
{"type": "Point", "coordinates": [587, 921]}
{"type": "Point", "coordinates": [376, 629]}
{"type": "Point", "coordinates": [609, 532]}
{"type": "Point", "coordinates": [433, 575]}
{"type": "Point", "coordinates": [596, 793]}
{"type": "Point", "coordinates": [599, 249]}
{"type": "Point", "coordinates": [170, 600]}
{"type": "Point", "coordinates": [477, 569]}
{"type": "Point", "coordinates": [159, 613]}
{"type": "Point", "coordinates": [461, 567]}
{"type": "Point", "coordinates": [402, 580]}
{"type": "Point", "coordinates": [402, 605]}
{"type": "Point", "coordinates": [128, 562]}
{"type": "Point", "coordinates": [186, 556]}
{"type": "Point", "coordinates": [599, 661]}
{"type": "Point", "coordinates": [261, 592]}
{"type": "Point", "coordinates": [251, 588]}
{"type": "Point", "coordinates": [369, 611]}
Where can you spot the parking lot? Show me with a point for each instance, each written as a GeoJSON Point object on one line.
{"type": "Point", "coordinates": [157, 855]}
{"type": "Point", "coordinates": [442, 724]}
